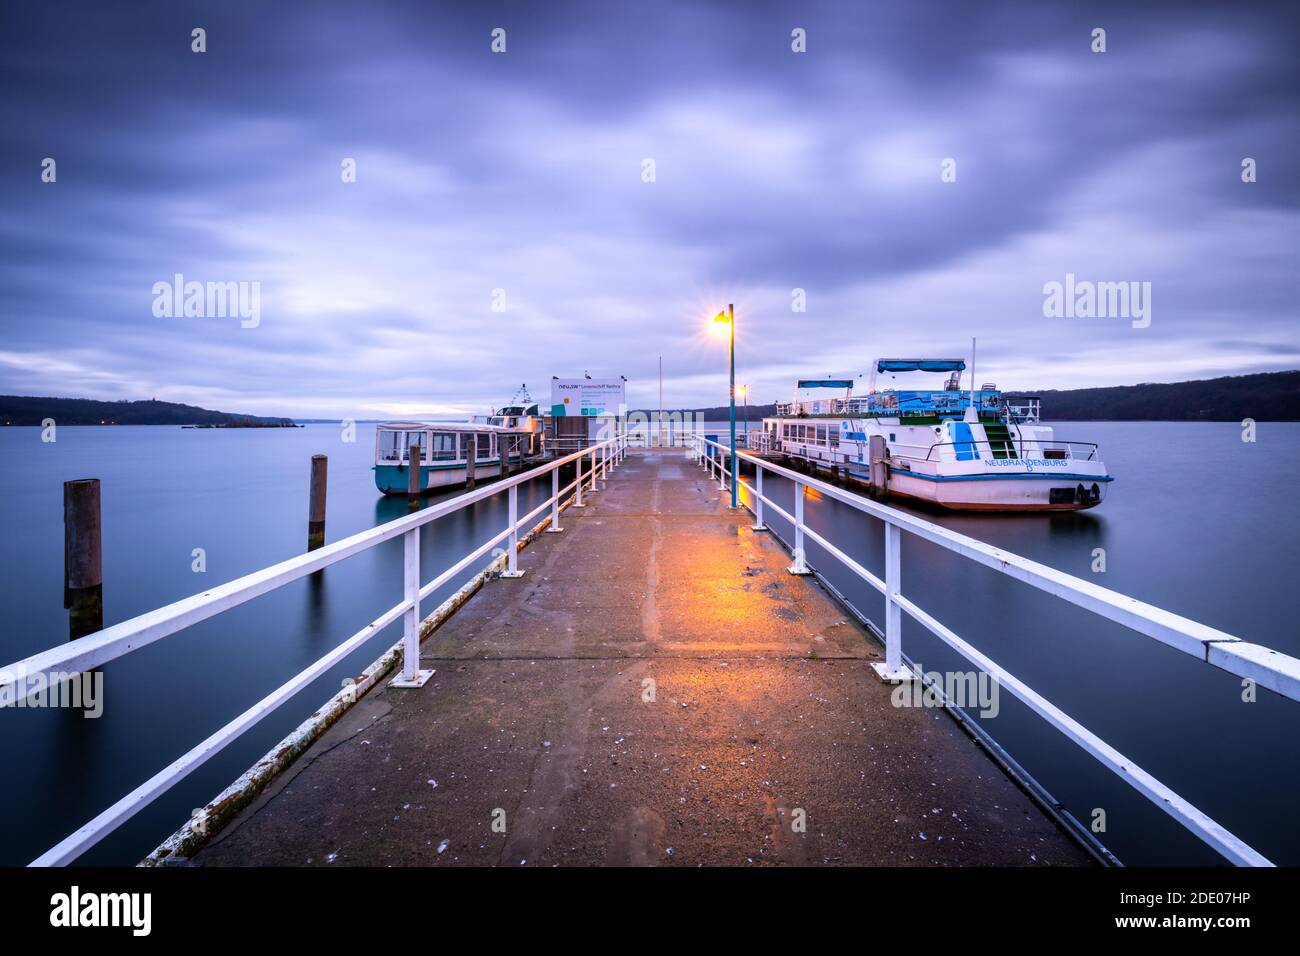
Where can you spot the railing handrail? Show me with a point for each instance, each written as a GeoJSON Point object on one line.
{"type": "Point", "coordinates": [1263, 665]}
{"type": "Point", "coordinates": [111, 643]}
{"type": "Point", "coordinates": [1018, 442]}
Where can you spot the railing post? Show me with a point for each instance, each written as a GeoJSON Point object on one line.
{"type": "Point", "coordinates": [800, 565]}
{"type": "Point", "coordinates": [892, 668]}
{"type": "Point", "coordinates": [555, 501]}
{"type": "Point", "coordinates": [411, 675]}
{"type": "Point", "coordinates": [512, 542]}
{"type": "Point", "coordinates": [722, 470]}
{"type": "Point", "coordinates": [758, 497]}
{"type": "Point", "coordinates": [594, 469]}
{"type": "Point", "coordinates": [577, 501]}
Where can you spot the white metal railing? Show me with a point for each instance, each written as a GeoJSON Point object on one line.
{"type": "Point", "coordinates": [682, 436]}
{"type": "Point", "coordinates": [23, 678]}
{"type": "Point", "coordinates": [1024, 448]}
{"type": "Point", "coordinates": [1266, 667]}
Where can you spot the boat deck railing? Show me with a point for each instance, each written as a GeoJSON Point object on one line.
{"type": "Point", "coordinates": [22, 679]}
{"type": "Point", "coordinates": [1267, 668]}
{"type": "Point", "coordinates": [1024, 411]}
{"type": "Point", "coordinates": [1066, 450]}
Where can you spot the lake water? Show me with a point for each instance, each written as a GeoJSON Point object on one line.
{"type": "Point", "coordinates": [1197, 522]}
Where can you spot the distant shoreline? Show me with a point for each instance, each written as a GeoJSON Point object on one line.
{"type": "Point", "coordinates": [23, 410]}
{"type": "Point", "coordinates": [1262, 396]}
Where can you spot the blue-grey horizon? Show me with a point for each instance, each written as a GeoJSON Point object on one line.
{"type": "Point", "coordinates": [428, 204]}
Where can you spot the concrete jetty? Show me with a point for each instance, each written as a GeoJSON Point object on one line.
{"type": "Point", "coordinates": [656, 689]}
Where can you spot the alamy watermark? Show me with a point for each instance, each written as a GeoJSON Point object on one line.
{"type": "Point", "coordinates": [82, 691]}
{"type": "Point", "coordinates": [208, 300]}
{"type": "Point", "coordinates": [963, 689]}
{"type": "Point", "coordinates": [1085, 299]}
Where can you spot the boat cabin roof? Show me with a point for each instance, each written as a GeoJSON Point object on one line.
{"type": "Point", "coordinates": [442, 427]}
{"type": "Point", "coordinates": [920, 365]}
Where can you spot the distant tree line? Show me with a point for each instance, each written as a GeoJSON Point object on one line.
{"type": "Point", "coordinates": [19, 410]}
{"type": "Point", "coordinates": [1265, 396]}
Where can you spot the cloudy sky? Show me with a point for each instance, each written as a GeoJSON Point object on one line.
{"type": "Point", "coordinates": [525, 172]}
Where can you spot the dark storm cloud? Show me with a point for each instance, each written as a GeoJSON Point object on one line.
{"type": "Point", "coordinates": [522, 172]}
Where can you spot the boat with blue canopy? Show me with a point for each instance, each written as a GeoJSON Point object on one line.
{"type": "Point", "coordinates": [960, 448]}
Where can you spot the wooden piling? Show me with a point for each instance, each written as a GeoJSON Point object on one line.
{"type": "Point", "coordinates": [503, 452]}
{"type": "Point", "coordinates": [316, 509]}
{"type": "Point", "coordinates": [879, 470]}
{"type": "Point", "coordinates": [413, 474]}
{"type": "Point", "coordinates": [83, 568]}
{"type": "Point", "coordinates": [471, 456]}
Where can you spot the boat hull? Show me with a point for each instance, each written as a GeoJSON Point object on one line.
{"type": "Point", "coordinates": [1021, 492]}
{"type": "Point", "coordinates": [395, 479]}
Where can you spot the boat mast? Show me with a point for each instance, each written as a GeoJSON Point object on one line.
{"type": "Point", "coordinates": [972, 414]}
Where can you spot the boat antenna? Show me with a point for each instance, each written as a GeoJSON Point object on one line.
{"type": "Point", "coordinates": [972, 414]}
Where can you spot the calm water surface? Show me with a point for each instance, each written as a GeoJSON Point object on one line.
{"type": "Point", "coordinates": [1197, 522]}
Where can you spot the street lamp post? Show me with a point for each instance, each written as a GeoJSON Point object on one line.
{"type": "Point", "coordinates": [730, 318]}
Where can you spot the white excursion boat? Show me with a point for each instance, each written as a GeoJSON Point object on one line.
{"type": "Point", "coordinates": [966, 450]}
{"type": "Point", "coordinates": [444, 451]}
{"type": "Point", "coordinates": [512, 433]}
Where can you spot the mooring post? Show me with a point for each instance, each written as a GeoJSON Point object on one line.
{"type": "Point", "coordinates": [83, 567]}
{"type": "Point", "coordinates": [471, 455]}
{"type": "Point", "coordinates": [413, 475]}
{"type": "Point", "coordinates": [877, 467]}
{"type": "Point", "coordinates": [316, 507]}
{"type": "Point", "coordinates": [503, 452]}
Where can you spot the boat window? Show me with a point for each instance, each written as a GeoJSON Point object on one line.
{"type": "Point", "coordinates": [413, 438]}
{"type": "Point", "coordinates": [390, 445]}
{"type": "Point", "coordinates": [484, 446]}
{"type": "Point", "coordinates": [442, 447]}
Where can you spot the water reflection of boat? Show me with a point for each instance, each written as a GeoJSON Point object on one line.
{"type": "Point", "coordinates": [966, 450]}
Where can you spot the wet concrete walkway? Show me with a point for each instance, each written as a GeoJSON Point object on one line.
{"type": "Point", "coordinates": [656, 689]}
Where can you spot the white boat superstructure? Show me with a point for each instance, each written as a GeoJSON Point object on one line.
{"type": "Point", "coordinates": [520, 415]}
{"type": "Point", "coordinates": [962, 449]}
